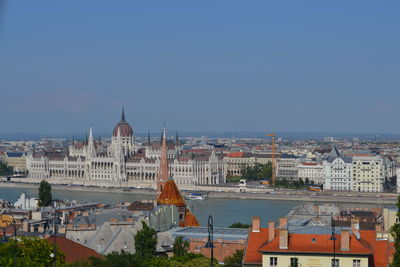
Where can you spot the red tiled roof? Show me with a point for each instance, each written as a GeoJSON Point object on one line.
{"type": "Point", "coordinates": [309, 164]}
{"type": "Point", "coordinates": [255, 240]}
{"type": "Point", "coordinates": [381, 250]}
{"type": "Point", "coordinates": [322, 244]}
{"type": "Point", "coordinates": [235, 155]}
{"type": "Point", "coordinates": [73, 251]}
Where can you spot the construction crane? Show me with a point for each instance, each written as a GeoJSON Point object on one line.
{"type": "Point", "coordinates": [273, 158]}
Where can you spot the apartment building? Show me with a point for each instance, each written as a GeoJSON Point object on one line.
{"type": "Point", "coordinates": [369, 173]}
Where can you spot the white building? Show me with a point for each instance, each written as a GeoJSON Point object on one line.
{"type": "Point", "coordinates": [337, 172]}
{"type": "Point", "coordinates": [313, 171]}
{"type": "Point", "coordinates": [26, 203]}
{"type": "Point", "coordinates": [124, 163]}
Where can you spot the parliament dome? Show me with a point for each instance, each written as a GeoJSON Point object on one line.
{"type": "Point", "coordinates": [125, 130]}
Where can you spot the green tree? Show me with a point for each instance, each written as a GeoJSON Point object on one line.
{"type": "Point", "coordinates": [234, 260]}
{"type": "Point", "coordinates": [5, 169]}
{"type": "Point", "coordinates": [395, 231]}
{"type": "Point", "coordinates": [146, 241]}
{"type": "Point", "coordinates": [239, 225]}
{"type": "Point", "coordinates": [181, 247]}
{"type": "Point", "coordinates": [29, 252]}
{"type": "Point", "coordinates": [45, 196]}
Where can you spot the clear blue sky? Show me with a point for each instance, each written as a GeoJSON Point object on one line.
{"type": "Point", "coordinates": [200, 65]}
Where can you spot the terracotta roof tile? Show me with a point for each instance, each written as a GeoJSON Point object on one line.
{"type": "Point", "coordinates": [73, 251]}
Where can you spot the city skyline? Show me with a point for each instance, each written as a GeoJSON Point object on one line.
{"type": "Point", "coordinates": [225, 67]}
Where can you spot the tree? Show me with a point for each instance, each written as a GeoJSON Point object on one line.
{"type": "Point", "coordinates": [234, 260]}
{"type": "Point", "coordinates": [45, 196]}
{"type": "Point", "coordinates": [181, 247]}
{"type": "Point", "coordinates": [5, 169]}
{"type": "Point", "coordinates": [146, 242]}
{"type": "Point", "coordinates": [395, 231]}
{"type": "Point", "coordinates": [122, 258]}
{"type": "Point", "coordinates": [239, 225]}
{"type": "Point", "coordinates": [29, 252]}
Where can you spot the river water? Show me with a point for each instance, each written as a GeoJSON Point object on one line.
{"type": "Point", "coordinates": [224, 211]}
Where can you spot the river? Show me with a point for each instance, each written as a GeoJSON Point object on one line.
{"type": "Point", "coordinates": [224, 211]}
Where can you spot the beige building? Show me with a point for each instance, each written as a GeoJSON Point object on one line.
{"type": "Point", "coordinates": [368, 173]}
{"type": "Point", "coordinates": [17, 160]}
{"type": "Point", "coordinates": [238, 161]}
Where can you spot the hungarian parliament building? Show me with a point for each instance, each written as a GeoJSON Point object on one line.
{"type": "Point", "coordinates": [123, 162]}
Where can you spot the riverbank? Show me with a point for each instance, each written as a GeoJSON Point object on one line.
{"type": "Point", "coordinates": [300, 196]}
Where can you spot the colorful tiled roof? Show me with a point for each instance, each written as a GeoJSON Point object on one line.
{"type": "Point", "coordinates": [190, 220]}
{"type": "Point", "coordinates": [170, 195]}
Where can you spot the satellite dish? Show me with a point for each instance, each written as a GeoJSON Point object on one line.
{"type": "Point", "coordinates": [358, 235]}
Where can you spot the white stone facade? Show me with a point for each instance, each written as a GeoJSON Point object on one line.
{"type": "Point", "coordinates": [338, 174]}
{"type": "Point", "coordinates": [312, 171]}
{"type": "Point", "coordinates": [124, 165]}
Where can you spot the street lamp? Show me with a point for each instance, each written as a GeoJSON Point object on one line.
{"type": "Point", "coordinates": [7, 220]}
{"type": "Point", "coordinates": [210, 241]}
{"type": "Point", "coordinates": [333, 237]}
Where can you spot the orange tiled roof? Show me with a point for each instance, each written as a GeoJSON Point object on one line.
{"type": "Point", "coordinates": [73, 251]}
{"type": "Point", "coordinates": [190, 220]}
{"type": "Point", "coordinates": [235, 155]}
{"type": "Point", "coordinates": [381, 250]}
{"type": "Point", "coordinates": [322, 244]}
{"type": "Point", "coordinates": [309, 163]}
{"type": "Point", "coordinates": [255, 240]}
{"type": "Point", "coordinates": [171, 195]}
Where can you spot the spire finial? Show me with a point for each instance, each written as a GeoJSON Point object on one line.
{"type": "Point", "coordinates": [123, 114]}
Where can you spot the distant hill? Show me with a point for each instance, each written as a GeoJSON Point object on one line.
{"type": "Point", "coordinates": [239, 134]}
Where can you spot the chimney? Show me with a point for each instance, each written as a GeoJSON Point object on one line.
{"type": "Point", "coordinates": [255, 224]}
{"type": "Point", "coordinates": [345, 240]}
{"type": "Point", "coordinates": [283, 223]}
{"type": "Point", "coordinates": [271, 231]}
{"type": "Point", "coordinates": [283, 238]}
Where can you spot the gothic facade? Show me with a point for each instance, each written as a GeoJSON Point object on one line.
{"type": "Point", "coordinates": [124, 162]}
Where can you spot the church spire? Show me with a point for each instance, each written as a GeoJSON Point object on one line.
{"type": "Point", "coordinates": [148, 138]}
{"type": "Point", "coordinates": [162, 176]}
{"type": "Point", "coordinates": [123, 114]}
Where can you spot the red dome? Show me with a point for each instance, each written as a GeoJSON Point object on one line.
{"type": "Point", "coordinates": [125, 130]}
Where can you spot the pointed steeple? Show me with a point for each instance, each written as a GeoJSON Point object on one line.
{"type": "Point", "coordinates": [148, 139]}
{"type": "Point", "coordinates": [177, 138]}
{"type": "Point", "coordinates": [162, 176]}
{"type": "Point", "coordinates": [90, 133]}
{"type": "Point", "coordinates": [123, 114]}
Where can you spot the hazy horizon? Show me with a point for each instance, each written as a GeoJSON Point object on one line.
{"type": "Point", "coordinates": [209, 66]}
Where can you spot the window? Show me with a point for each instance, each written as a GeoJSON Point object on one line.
{"type": "Point", "coordinates": [335, 263]}
{"type": "Point", "coordinates": [356, 263]}
{"type": "Point", "coordinates": [294, 262]}
{"type": "Point", "coordinates": [273, 262]}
